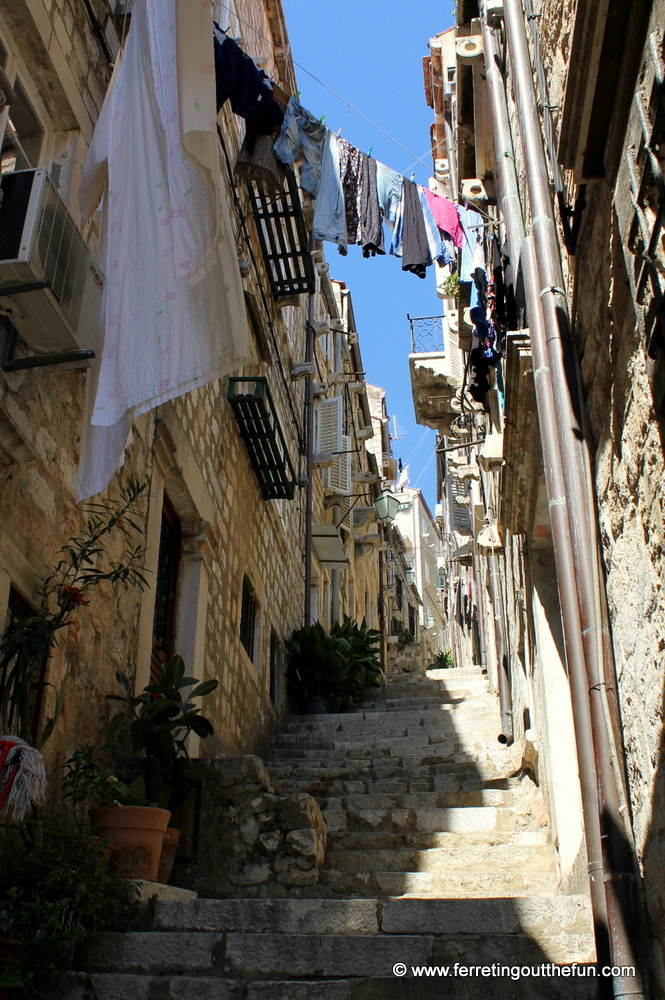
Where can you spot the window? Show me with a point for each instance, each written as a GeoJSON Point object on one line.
{"type": "Point", "coordinates": [166, 584]}
{"type": "Point", "coordinates": [398, 593]}
{"type": "Point", "coordinates": [249, 620]}
{"type": "Point", "coordinates": [24, 134]}
{"type": "Point", "coordinates": [18, 608]}
{"type": "Point", "coordinates": [275, 669]}
{"type": "Point", "coordinates": [412, 620]}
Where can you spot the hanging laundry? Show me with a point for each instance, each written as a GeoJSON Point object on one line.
{"type": "Point", "coordinates": [472, 244]}
{"type": "Point", "coordinates": [330, 210]}
{"type": "Point", "coordinates": [173, 316]}
{"type": "Point", "coordinates": [441, 250]}
{"type": "Point", "coordinates": [301, 130]}
{"type": "Point", "coordinates": [415, 248]}
{"type": "Point", "coordinates": [446, 216]}
{"type": "Point", "coordinates": [351, 174]}
{"type": "Point", "coordinates": [371, 223]}
{"type": "Point", "coordinates": [389, 191]}
{"type": "Point", "coordinates": [238, 77]}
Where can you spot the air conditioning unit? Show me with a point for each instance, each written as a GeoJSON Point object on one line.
{"type": "Point", "coordinates": [50, 284]}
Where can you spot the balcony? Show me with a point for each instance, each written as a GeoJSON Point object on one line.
{"type": "Point", "coordinates": [437, 369]}
{"type": "Point", "coordinates": [282, 233]}
{"type": "Point", "coordinates": [260, 429]}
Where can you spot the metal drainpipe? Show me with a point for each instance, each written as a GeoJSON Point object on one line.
{"type": "Point", "coordinates": [334, 600]}
{"type": "Point", "coordinates": [505, 702]}
{"type": "Point", "coordinates": [309, 356]}
{"type": "Point", "coordinates": [481, 614]}
{"type": "Point", "coordinates": [568, 405]}
{"type": "Point", "coordinates": [510, 202]}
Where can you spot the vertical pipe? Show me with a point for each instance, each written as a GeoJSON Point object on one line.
{"type": "Point", "coordinates": [334, 600]}
{"type": "Point", "coordinates": [575, 461]}
{"type": "Point", "coordinates": [510, 203]}
{"type": "Point", "coordinates": [506, 734]}
{"type": "Point", "coordinates": [309, 356]}
{"type": "Point", "coordinates": [481, 613]}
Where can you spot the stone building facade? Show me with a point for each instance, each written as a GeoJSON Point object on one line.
{"type": "Point", "coordinates": [224, 566]}
{"type": "Point", "coordinates": [597, 75]}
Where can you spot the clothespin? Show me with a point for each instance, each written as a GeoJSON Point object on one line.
{"type": "Point", "coordinates": [339, 132]}
{"type": "Point", "coordinates": [413, 176]}
{"type": "Point", "coordinates": [369, 151]}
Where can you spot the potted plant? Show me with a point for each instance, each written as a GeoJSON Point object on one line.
{"type": "Point", "coordinates": [161, 719]}
{"type": "Point", "coordinates": [317, 667]}
{"type": "Point", "coordinates": [364, 665]}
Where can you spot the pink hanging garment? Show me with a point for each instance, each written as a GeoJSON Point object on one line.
{"type": "Point", "coordinates": [445, 216]}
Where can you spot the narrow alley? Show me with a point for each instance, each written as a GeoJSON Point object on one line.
{"type": "Point", "coordinates": [332, 507]}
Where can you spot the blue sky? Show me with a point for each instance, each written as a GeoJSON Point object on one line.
{"type": "Point", "coordinates": [370, 52]}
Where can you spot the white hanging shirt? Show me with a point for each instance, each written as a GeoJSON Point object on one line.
{"type": "Point", "coordinates": [173, 316]}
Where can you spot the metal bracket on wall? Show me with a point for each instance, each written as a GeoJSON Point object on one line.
{"type": "Point", "coordinates": [62, 361]}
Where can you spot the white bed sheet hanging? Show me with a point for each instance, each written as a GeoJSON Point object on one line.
{"type": "Point", "coordinates": [173, 316]}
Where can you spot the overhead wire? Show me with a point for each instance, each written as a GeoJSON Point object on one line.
{"type": "Point", "coordinates": [351, 107]}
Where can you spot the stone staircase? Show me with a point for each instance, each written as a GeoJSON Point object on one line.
{"type": "Point", "coordinates": [438, 853]}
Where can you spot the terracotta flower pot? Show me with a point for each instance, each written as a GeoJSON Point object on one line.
{"type": "Point", "coordinates": [136, 833]}
{"type": "Point", "coordinates": [169, 847]}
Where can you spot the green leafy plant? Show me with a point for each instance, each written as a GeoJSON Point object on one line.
{"type": "Point", "coordinates": [84, 563]}
{"type": "Point", "coordinates": [404, 636]}
{"type": "Point", "coordinates": [444, 659]}
{"type": "Point", "coordinates": [336, 666]}
{"type": "Point", "coordinates": [450, 287]}
{"type": "Point", "coordinates": [91, 779]}
{"type": "Point", "coordinates": [318, 665]}
{"type": "Point", "coordinates": [362, 655]}
{"type": "Point", "coordinates": [55, 889]}
{"type": "Point", "coordinates": [160, 720]}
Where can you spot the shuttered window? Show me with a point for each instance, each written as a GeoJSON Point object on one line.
{"type": "Point", "coordinates": [249, 619]}
{"type": "Point", "coordinates": [339, 473]}
{"type": "Point", "coordinates": [329, 425]}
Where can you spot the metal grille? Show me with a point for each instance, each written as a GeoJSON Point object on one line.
{"type": "Point", "coordinates": [61, 251]}
{"type": "Point", "coordinates": [248, 618]}
{"type": "Point", "coordinates": [427, 334]}
{"type": "Point", "coordinates": [260, 429]}
{"type": "Point", "coordinates": [280, 224]}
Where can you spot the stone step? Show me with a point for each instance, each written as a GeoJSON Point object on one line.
{"type": "Point", "coordinates": [536, 916]}
{"type": "Point", "coordinates": [387, 770]}
{"type": "Point", "coordinates": [117, 986]}
{"type": "Point", "coordinates": [418, 740]}
{"type": "Point", "coordinates": [454, 820]}
{"type": "Point", "coordinates": [499, 859]}
{"type": "Point", "coordinates": [455, 885]}
{"type": "Point", "coordinates": [429, 714]}
{"type": "Point", "coordinates": [337, 763]}
{"type": "Point", "coordinates": [402, 798]}
{"type": "Point", "coordinates": [252, 956]}
{"type": "Point", "coordinates": [376, 840]}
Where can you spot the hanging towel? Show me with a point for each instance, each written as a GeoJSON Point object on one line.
{"type": "Point", "coordinates": [440, 250]}
{"type": "Point", "coordinates": [446, 216]}
{"type": "Point", "coordinates": [302, 129]}
{"type": "Point", "coordinates": [330, 212]}
{"type": "Point", "coordinates": [415, 248]}
{"type": "Point", "coordinates": [474, 231]}
{"type": "Point", "coordinates": [173, 315]}
{"type": "Point", "coordinates": [372, 226]}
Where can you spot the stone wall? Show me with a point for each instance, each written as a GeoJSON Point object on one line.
{"type": "Point", "coordinates": [243, 837]}
{"type": "Point", "coordinates": [623, 388]}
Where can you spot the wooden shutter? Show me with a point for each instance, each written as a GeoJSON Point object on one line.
{"type": "Point", "coordinates": [339, 474]}
{"type": "Point", "coordinates": [329, 414]}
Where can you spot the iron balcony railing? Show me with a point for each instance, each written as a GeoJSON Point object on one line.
{"type": "Point", "coordinates": [260, 429]}
{"type": "Point", "coordinates": [427, 336]}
